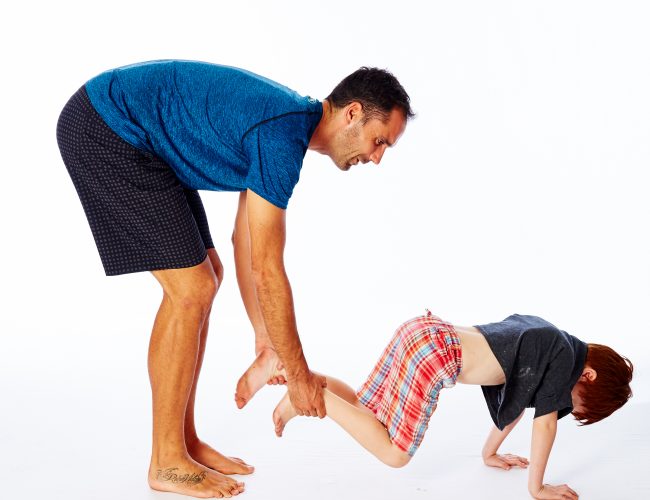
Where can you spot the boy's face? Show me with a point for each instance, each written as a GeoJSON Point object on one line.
{"type": "Point", "coordinates": [588, 375]}
{"type": "Point", "coordinates": [576, 400]}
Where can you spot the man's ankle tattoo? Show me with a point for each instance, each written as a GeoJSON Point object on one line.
{"type": "Point", "coordinates": [170, 474]}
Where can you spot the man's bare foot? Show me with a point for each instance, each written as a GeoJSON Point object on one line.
{"type": "Point", "coordinates": [187, 477]}
{"type": "Point", "coordinates": [208, 456]}
{"type": "Point", "coordinates": [282, 414]}
{"type": "Point", "coordinates": [263, 370]}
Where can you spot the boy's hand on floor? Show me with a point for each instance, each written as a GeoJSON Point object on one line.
{"type": "Point", "coordinates": [506, 461]}
{"type": "Point", "coordinates": [550, 492]}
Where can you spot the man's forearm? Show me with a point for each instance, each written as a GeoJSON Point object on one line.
{"type": "Point", "coordinates": [544, 429]}
{"type": "Point", "coordinates": [241, 244]}
{"type": "Point", "coordinates": [276, 302]}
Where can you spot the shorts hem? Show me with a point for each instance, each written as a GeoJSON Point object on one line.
{"type": "Point", "coordinates": [157, 267]}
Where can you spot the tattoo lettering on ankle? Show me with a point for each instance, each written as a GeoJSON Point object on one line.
{"type": "Point", "coordinates": [170, 474]}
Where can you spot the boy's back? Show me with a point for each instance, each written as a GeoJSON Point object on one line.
{"type": "Point", "coordinates": [541, 364]}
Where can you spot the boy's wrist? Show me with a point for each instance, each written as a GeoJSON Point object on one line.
{"type": "Point", "coordinates": [489, 449]}
{"type": "Point", "coordinates": [535, 487]}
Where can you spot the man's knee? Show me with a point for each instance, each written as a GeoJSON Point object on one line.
{"type": "Point", "coordinates": [192, 288]}
{"type": "Point", "coordinates": [217, 266]}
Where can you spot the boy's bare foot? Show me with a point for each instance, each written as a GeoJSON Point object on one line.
{"type": "Point", "coordinates": [263, 370]}
{"type": "Point", "coordinates": [204, 454]}
{"type": "Point", "coordinates": [187, 477]}
{"type": "Point", "coordinates": [282, 414]}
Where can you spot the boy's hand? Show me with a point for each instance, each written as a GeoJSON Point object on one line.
{"type": "Point", "coordinates": [561, 492]}
{"type": "Point", "coordinates": [506, 461]}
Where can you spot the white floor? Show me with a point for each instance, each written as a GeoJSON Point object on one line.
{"type": "Point", "coordinates": [79, 429]}
{"type": "Point", "coordinates": [520, 187]}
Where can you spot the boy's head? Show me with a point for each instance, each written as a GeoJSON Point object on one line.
{"type": "Point", "coordinates": [604, 385]}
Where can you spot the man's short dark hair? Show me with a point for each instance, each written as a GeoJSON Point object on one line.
{"type": "Point", "coordinates": [377, 90]}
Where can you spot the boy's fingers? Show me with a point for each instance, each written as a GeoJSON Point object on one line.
{"type": "Point", "coordinates": [571, 492]}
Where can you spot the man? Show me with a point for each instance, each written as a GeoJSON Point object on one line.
{"type": "Point", "coordinates": [138, 142]}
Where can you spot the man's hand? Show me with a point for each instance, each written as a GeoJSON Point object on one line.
{"type": "Point", "coordinates": [306, 395]}
{"type": "Point", "coordinates": [506, 461]}
{"type": "Point", "coordinates": [561, 492]}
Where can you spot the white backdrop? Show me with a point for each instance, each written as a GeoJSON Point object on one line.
{"type": "Point", "coordinates": [521, 186]}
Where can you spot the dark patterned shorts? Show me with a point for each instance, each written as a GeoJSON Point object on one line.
{"type": "Point", "coordinates": [140, 215]}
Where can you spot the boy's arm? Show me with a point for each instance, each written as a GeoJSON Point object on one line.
{"type": "Point", "coordinates": [544, 429]}
{"type": "Point", "coordinates": [492, 444]}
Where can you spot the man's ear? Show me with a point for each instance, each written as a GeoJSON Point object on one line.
{"type": "Point", "coordinates": [353, 111]}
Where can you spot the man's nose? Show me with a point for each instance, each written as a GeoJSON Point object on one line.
{"type": "Point", "coordinates": [377, 154]}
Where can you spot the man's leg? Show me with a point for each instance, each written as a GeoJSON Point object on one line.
{"type": "Point", "coordinates": [173, 357]}
{"type": "Point", "coordinates": [266, 364]}
{"type": "Point", "coordinates": [198, 450]}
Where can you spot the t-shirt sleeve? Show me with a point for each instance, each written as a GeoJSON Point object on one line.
{"type": "Point", "coordinates": [553, 392]}
{"type": "Point", "coordinates": [275, 150]}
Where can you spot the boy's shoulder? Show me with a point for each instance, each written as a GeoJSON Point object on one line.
{"type": "Point", "coordinates": [529, 341]}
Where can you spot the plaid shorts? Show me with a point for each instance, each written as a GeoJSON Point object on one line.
{"type": "Point", "coordinates": [402, 391]}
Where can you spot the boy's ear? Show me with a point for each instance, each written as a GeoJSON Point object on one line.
{"type": "Point", "coordinates": [588, 374]}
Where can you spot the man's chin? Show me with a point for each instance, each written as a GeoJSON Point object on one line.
{"type": "Point", "coordinates": [345, 167]}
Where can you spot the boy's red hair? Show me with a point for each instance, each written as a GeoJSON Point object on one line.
{"type": "Point", "coordinates": [609, 390]}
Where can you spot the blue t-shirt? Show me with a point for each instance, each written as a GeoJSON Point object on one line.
{"type": "Point", "coordinates": [219, 128]}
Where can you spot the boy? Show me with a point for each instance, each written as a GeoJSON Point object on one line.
{"type": "Point", "coordinates": [523, 361]}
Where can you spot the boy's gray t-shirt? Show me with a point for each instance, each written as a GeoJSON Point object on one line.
{"type": "Point", "coordinates": [541, 362]}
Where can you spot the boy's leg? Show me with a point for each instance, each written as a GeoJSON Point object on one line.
{"type": "Point", "coordinates": [344, 391]}
{"type": "Point", "coordinates": [343, 407]}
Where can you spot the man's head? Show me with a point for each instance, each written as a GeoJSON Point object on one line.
{"type": "Point", "coordinates": [604, 385]}
{"type": "Point", "coordinates": [368, 113]}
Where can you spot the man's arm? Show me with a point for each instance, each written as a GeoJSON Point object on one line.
{"type": "Point", "coordinates": [266, 225]}
{"type": "Point", "coordinates": [242, 246]}
{"type": "Point", "coordinates": [544, 429]}
{"type": "Point", "coordinates": [492, 444]}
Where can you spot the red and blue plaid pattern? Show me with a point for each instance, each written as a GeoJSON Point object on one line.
{"type": "Point", "coordinates": [423, 356]}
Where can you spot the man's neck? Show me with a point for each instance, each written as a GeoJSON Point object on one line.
{"type": "Point", "coordinates": [320, 139]}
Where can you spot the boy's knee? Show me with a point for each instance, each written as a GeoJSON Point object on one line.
{"type": "Point", "coordinates": [396, 458]}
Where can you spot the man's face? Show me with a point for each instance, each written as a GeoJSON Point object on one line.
{"type": "Point", "coordinates": [363, 142]}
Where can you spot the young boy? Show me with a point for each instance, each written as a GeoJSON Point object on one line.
{"type": "Point", "coordinates": [521, 362]}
